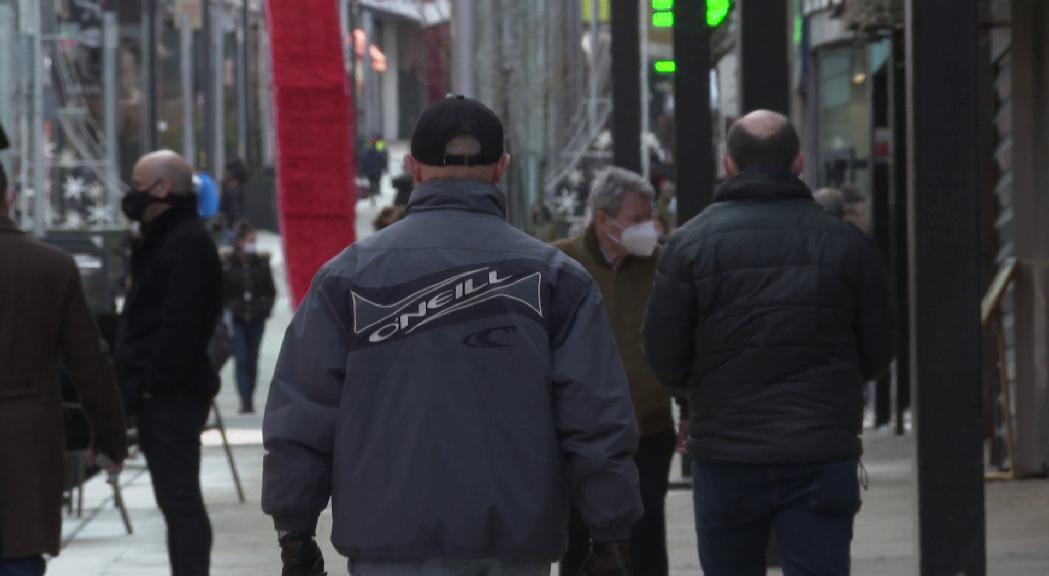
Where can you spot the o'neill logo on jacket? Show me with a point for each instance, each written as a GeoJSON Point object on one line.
{"type": "Point", "coordinates": [455, 295]}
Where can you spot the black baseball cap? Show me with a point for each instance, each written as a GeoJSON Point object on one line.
{"type": "Point", "coordinates": [453, 117]}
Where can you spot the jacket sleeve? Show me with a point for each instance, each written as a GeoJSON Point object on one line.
{"type": "Point", "coordinates": [301, 413]}
{"type": "Point", "coordinates": [196, 283]}
{"type": "Point", "coordinates": [875, 330]}
{"type": "Point", "coordinates": [671, 319]}
{"type": "Point", "coordinates": [86, 355]}
{"type": "Point", "coordinates": [596, 426]}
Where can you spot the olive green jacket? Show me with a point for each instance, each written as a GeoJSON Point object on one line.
{"type": "Point", "coordinates": [626, 290]}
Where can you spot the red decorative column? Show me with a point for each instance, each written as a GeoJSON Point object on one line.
{"type": "Point", "coordinates": [316, 193]}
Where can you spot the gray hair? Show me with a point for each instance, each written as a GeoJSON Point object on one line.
{"type": "Point", "coordinates": [612, 185]}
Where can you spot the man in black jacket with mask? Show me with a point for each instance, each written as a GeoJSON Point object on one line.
{"type": "Point", "coordinates": [772, 314]}
{"type": "Point", "coordinates": [170, 313]}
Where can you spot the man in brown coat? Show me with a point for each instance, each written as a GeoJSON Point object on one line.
{"type": "Point", "coordinates": [619, 251]}
{"type": "Point", "coordinates": [44, 316]}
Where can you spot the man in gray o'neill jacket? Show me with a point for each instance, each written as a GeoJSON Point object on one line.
{"type": "Point", "coordinates": [451, 384]}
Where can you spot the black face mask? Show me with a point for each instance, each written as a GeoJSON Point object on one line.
{"type": "Point", "coordinates": [135, 202]}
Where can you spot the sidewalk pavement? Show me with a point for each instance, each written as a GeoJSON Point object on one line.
{"type": "Point", "coordinates": [245, 542]}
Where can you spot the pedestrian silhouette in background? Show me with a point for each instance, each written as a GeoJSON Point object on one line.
{"type": "Point", "coordinates": [162, 347]}
{"type": "Point", "coordinates": [45, 318]}
{"type": "Point", "coordinates": [619, 250]}
{"type": "Point", "coordinates": [373, 164]}
{"type": "Point", "coordinates": [234, 190]}
{"type": "Point", "coordinates": [249, 294]}
{"type": "Point", "coordinates": [450, 385]}
{"type": "Point", "coordinates": [772, 314]}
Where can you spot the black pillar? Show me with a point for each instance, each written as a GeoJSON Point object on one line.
{"type": "Point", "coordinates": [694, 157]}
{"type": "Point", "coordinates": [943, 197]}
{"type": "Point", "coordinates": [626, 84]}
{"type": "Point", "coordinates": [764, 69]}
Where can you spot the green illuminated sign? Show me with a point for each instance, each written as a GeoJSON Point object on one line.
{"type": "Point", "coordinates": [663, 15]}
{"type": "Point", "coordinates": [663, 20]}
{"type": "Point", "coordinates": [665, 66]}
{"type": "Point", "coordinates": [717, 11]}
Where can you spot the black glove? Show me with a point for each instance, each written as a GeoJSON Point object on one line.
{"type": "Point", "coordinates": [301, 556]}
{"type": "Point", "coordinates": [607, 559]}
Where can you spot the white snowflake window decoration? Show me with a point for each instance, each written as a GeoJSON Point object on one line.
{"type": "Point", "coordinates": [99, 214]}
{"type": "Point", "coordinates": [74, 187]}
{"type": "Point", "coordinates": [565, 203]}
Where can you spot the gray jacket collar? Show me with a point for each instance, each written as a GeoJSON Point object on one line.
{"type": "Point", "coordinates": [450, 194]}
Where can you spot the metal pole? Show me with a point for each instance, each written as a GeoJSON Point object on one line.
{"type": "Point", "coordinates": [218, 68]}
{"type": "Point", "coordinates": [149, 65]}
{"type": "Point", "coordinates": [40, 200]}
{"type": "Point", "coordinates": [111, 41]}
{"type": "Point", "coordinates": [355, 68]}
{"type": "Point", "coordinates": [265, 103]}
{"type": "Point", "coordinates": [646, 161]}
{"type": "Point", "coordinates": [595, 7]}
{"type": "Point", "coordinates": [242, 82]}
{"type": "Point", "coordinates": [189, 141]}
{"type": "Point", "coordinates": [367, 102]}
{"type": "Point", "coordinates": [900, 257]}
{"type": "Point", "coordinates": [208, 75]}
{"type": "Point", "coordinates": [464, 48]}
{"type": "Point", "coordinates": [350, 39]}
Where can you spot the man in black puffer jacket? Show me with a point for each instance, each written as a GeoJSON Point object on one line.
{"type": "Point", "coordinates": [772, 314]}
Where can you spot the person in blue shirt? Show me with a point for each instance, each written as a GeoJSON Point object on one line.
{"type": "Point", "coordinates": [207, 195]}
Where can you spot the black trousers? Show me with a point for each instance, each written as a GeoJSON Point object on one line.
{"type": "Point", "coordinates": [648, 543]}
{"type": "Point", "coordinates": [169, 430]}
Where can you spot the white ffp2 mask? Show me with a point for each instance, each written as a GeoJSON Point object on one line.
{"type": "Point", "coordinates": [639, 239]}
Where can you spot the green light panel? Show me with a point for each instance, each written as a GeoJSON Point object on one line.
{"type": "Point", "coordinates": [660, 5]}
{"type": "Point", "coordinates": [663, 20]}
{"type": "Point", "coordinates": [717, 11]}
{"type": "Point", "coordinates": [665, 66]}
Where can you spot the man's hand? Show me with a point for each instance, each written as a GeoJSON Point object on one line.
{"type": "Point", "coordinates": [607, 559]}
{"type": "Point", "coordinates": [300, 555]}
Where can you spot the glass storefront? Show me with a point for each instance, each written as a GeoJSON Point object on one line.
{"type": "Point", "coordinates": [844, 135]}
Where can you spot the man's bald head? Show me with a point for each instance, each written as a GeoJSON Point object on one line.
{"type": "Point", "coordinates": [163, 171]}
{"type": "Point", "coordinates": [763, 138]}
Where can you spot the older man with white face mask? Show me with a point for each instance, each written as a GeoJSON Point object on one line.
{"type": "Point", "coordinates": [619, 249]}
